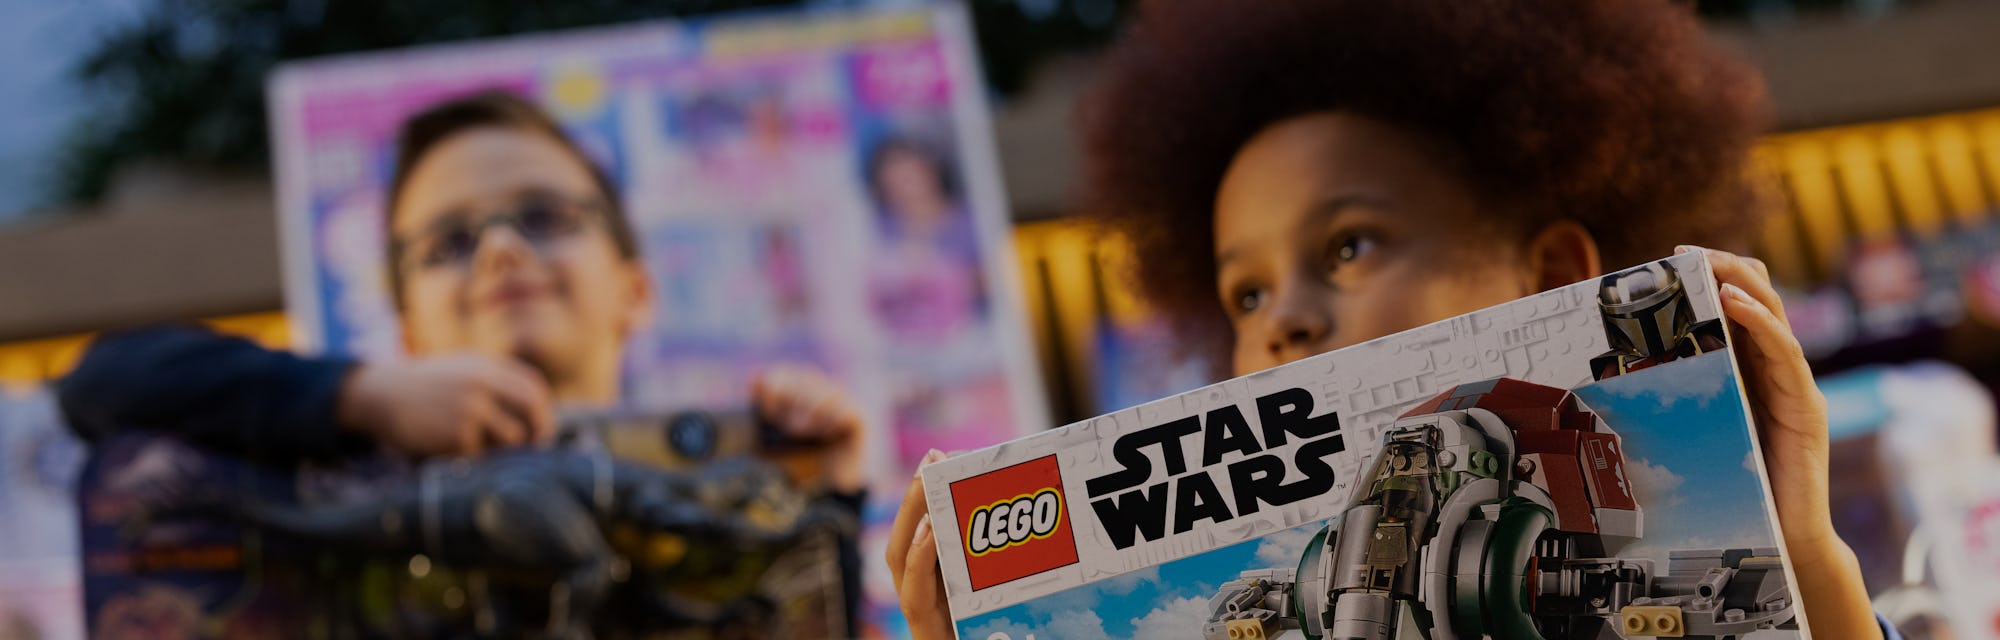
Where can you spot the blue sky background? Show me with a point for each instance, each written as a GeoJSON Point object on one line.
{"type": "Point", "coordinates": [1687, 448]}
{"type": "Point", "coordinates": [1166, 601]}
{"type": "Point", "coordinates": [1688, 455]}
{"type": "Point", "coordinates": [41, 41]}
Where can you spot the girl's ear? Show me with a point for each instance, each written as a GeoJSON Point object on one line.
{"type": "Point", "coordinates": [1562, 253]}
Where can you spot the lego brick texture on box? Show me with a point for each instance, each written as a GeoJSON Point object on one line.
{"type": "Point", "coordinates": [1570, 464]}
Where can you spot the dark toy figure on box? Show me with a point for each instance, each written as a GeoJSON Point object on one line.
{"type": "Point", "coordinates": [1648, 321]}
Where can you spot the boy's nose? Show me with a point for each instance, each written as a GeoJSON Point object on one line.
{"type": "Point", "coordinates": [500, 245]}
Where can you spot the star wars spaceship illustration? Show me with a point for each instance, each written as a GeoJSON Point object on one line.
{"type": "Point", "coordinates": [1496, 510]}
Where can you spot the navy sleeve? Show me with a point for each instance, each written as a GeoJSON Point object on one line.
{"type": "Point", "coordinates": [221, 392]}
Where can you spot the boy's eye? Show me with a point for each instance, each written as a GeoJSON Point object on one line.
{"type": "Point", "coordinates": [451, 244]}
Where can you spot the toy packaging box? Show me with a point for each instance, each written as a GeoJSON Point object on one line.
{"type": "Point", "coordinates": [1575, 464]}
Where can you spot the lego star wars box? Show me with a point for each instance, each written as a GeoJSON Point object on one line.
{"type": "Point", "coordinates": [1575, 464]}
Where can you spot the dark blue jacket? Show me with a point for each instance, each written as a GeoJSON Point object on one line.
{"type": "Point", "coordinates": [235, 396]}
{"type": "Point", "coordinates": [221, 392]}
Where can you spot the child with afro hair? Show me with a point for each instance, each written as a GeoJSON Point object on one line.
{"type": "Point", "coordinates": [1297, 176]}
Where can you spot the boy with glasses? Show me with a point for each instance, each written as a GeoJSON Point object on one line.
{"type": "Point", "coordinates": [517, 280]}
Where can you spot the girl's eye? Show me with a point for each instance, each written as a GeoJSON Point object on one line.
{"type": "Point", "coordinates": [1249, 300]}
{"type": "Point", "coordinates": [1354, 247]}
{"type": "Point", "coordinates": [1349, 248]}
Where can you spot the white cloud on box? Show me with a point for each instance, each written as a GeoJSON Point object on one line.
{"type": "Point", "coordinates": [1082, 624]}
{"type": "Point", "coordinates": [997, 629]}
{"type": "Point", "coordinates": [1654, 486]}
{"type": "Point", "coordinates": [1282, 549]}
{"type": "Point", "coordinates": [1088, 597]}
{"type": "Point", "coordinates": [1174, 618]}
{"type": "Point", "coordinates": [1689, 382]}
{"type": "Point", "coordinates": [1123, 585]}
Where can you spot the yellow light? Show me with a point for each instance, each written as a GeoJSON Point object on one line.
{"type": "Point", "coordinates": [1817, 200]}
{"type": "Point", "coordinates": [1780, 247]}
{"type": "Point", "coordinates": [1908, 163]}
{"type": "Point", "coordinates": [19, 367]}
{"type": "Point", "coordinates": [1987, 141]}
{"type": "Point", "coordinates": [63, 353]}
{"type": "Point", "coordinates": [1860, 172]}
{"type": "Point", "coordinates": [1958, 169]}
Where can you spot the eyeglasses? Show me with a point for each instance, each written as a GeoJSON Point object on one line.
{"type": "Point", "coordinates": [540, 219]}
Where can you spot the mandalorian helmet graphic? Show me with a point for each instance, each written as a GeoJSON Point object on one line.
{"type": "Point", "coordinates": [1646, 312]}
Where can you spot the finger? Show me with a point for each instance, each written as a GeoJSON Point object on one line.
{"type": "Point", "coordinates": [815, 407]}
{"type": "Point", "coordinates": [1763, 270]}
{"type": "Point", "coordinates": [843, 423]}
{"type": "Point", "coordinates": [499, 427]}
{"type": "Point", "coordinates": [921, 591]}
{"type": "Point", "coordinates": [1750, 274]}
{"type": "Point", "coordinates": [907, 516]}
{"type": "Point", "coordinates": [1780, 363]}
{"type": "Point", "coordinates": [521, 392]}
{"type": "Point", "coordinates": [470, 436]}
{"type": "Point", "coordinates": [831, 415]}
{"type": "Point", "coordinates": [817, 418]}
{"type": "Point", "coordinates": [772, 394]}
{"type": "Point", "coordinates": [1753, 277]}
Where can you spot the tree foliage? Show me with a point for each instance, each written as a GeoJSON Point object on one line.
{"type": "Point", "coordinates": [185, 83]}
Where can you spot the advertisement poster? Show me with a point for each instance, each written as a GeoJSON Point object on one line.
{"type": "Point", "coordinates": [811, 188]}
{"type": "Point", "coordinates": [39, 460]}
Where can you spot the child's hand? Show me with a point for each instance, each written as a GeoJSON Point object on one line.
{"type": "Point", "coordinates": [454, 404]}
{"type": "Point", "coordinates": [1792, 425]}
{"type": "Point", "coordinates": [913, 561]}
{"type": "Point", "coordinates": [808, 406]}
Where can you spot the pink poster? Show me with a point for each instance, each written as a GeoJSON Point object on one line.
{"type": "Point", "coordinates": [815, 188]}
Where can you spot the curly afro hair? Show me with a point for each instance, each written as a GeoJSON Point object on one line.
{"type": "Point", "coordinates": [1618, 114]}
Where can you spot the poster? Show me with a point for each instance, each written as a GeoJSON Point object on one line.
{"type": "Point", "coordinates": [812, 188]}
{"type": "Point", "coordinates": [39, 565]}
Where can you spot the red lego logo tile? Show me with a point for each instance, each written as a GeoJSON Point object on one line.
{"type": "Point", "coordinates": [1013, 522]}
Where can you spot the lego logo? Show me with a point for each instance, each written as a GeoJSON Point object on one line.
{"type": "Point", "coordinates": [1017, 509]}
{"type": "Point", "coordinates": [1013, 521]}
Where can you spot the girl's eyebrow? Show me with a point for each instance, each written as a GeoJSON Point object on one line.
{"type": "Point", "coordinates": [1336, 205]}
{"type": "Point", "coordinates": [1320, 211]}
